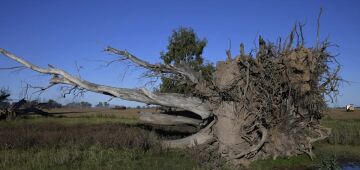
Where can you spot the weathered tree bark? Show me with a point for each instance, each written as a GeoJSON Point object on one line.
{"type": "Point", "coordinates": [254, 107]}
{"type": "Point", "coordinates": [202, 137]}
{"type": "Point", "coordinates": [140, 95]}
{"type": "Point", "coordinates": [167, 119]}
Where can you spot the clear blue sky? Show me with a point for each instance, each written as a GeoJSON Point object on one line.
{"type": "Point", "coordinates": [66, 32]}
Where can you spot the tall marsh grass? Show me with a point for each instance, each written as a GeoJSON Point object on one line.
{"type": "Point", "coordinates": [344, 132]}
{"type": "Point", "coordinates": [116, 136]}
{"type": "Point", "coordinates": [85, 146]}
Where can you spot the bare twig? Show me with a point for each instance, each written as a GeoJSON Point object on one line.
{"type": "Point", "coordinates": [318, 29]}
{"type": "Point", "coordinates": [181, 69]}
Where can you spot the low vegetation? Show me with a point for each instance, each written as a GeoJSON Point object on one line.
{"type": "Point", "coordinates": [104, 139]}
{"type": "Point", "coordinates": [34, 144]}
{"type": "Point", "coordinates": [344, 132]}
{"type": "Point", "coordinates": [52, 135]}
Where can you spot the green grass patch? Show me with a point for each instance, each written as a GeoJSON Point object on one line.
{"type": "Point", "coordinates": [93, 158]}
{"type": "Point", "coordinates": [42, 144]}
{"type": "Point", "coordinates": [103, 141]}
{"type": "Point", "coordinates": [339, 151]}
{"type": "Point", "coordinates": [322, 152]}
{"type": "Point", "coordinates": [283, 163]}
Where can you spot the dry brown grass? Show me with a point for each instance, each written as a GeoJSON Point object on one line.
{"type": "Point", "coordinates": [345, 126]}
{"type": "Point", "coordinates": [342, 114]}
{"type": "Point", "coordinates": [49, 145]}
{"type": "Point", "coordinates": [116, 136]}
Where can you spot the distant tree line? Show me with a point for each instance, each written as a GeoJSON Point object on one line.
{"type": "Point", "coordinates": [82, 104]}
{"type": "Point", "coordinates": [103, 105]}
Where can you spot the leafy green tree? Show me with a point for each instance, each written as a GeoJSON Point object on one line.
{"type": "Point", "coordinates": [184, 47]}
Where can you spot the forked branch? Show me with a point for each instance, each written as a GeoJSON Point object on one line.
{"type": "Point", "coordinates": [192, 104]}
{"type": "Point", "coordinates": [179, 69]}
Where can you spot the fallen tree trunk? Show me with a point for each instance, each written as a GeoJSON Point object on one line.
{"type": "Point", "coordinates": [253, 107]}
{"type": "Point", "coordinates": [167, 119]}
{"type": "Point", "coordinates": [140, 95]}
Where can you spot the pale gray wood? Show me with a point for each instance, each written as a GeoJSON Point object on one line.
{"type": "Point", "coordinates": [143, 95]}
{"type": "Point", "coordinates": [166, 119]}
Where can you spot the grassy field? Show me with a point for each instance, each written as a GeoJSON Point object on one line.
{"type": "Point", "coordinates": [102, 139]}
{"type": "Point", "coordinates": [114, 139]}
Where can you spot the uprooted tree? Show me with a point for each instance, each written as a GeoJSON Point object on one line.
{"type": "Point", "coordinates": [254, 106]}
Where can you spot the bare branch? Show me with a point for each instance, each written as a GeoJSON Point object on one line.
{"type": "Point", "coordinates": [242, 50]}
{"type": "Point", "coordinates": [39, 91]}
{"type": "Point", "coordinates": [192, 104]}
{"type": "Point", "coordinates": [179, 69]}
{"type": "Point", "coordinates": [166, 119]}
{"type": "Point", "coordinates": [11, 68]}
{"type": "Point", "coordinates": [228, 52]}
{"type": "Point", "coordinates": [318, 29]}
{"type": "Point", "coordinates": [302, 34]}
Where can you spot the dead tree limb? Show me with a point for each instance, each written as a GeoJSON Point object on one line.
{"type": "Point", "coordinates": [166, 119]}
{"type": "Point", "coordinates": [318, 29]}
{"type": "Point", "coordinates": [180, 69]}
{"type": "Point", "coordinates": [140, 95]}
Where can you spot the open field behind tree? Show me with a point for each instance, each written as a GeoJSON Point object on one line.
{"type": "Point", "coordinates": [342, 114]}
{"type": "Point", "coordinates": [116, 139]}
{"type": "Point", "coordinates": [87, 115]}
